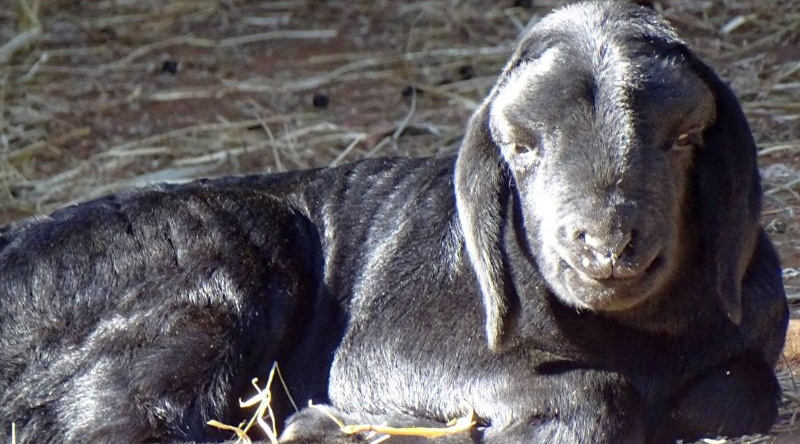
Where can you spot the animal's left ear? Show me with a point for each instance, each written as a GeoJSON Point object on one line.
{"type": "Point", "coordinates": [479, 180]}
{"type": "Point", "coordinates": [728, 194]}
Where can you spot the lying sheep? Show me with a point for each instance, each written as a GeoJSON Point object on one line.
{"type": "Point", "coordinates": [589, 269]}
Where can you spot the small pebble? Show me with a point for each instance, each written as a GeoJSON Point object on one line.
{"type": "Point", "coordinates": [321, 100]}
{"type": "Point", "coordinates": [109, 33]}
{"type": "Point", "coordinates": [466, 72]}
{"type": "Point", "coordinates": [170, 66]}
{"type": "Point", "coordinates": [409, 90]}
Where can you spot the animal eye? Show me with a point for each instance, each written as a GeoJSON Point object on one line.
{"type": "Point", "coordinates": [528, 144]}
{"type": "Point", "coordinates": [523, 148]}
{"type": "Point", "coordinates": [684, 139]}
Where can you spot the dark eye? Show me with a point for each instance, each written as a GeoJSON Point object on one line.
{"type": "Point", "coordinates": [524, 148]}
{"type": "Point", "coordinates": [530, 143]}
{"type": "Point", "coordinates": [686, 140]}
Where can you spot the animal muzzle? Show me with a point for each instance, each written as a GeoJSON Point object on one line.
{"type": "Point", "coordinates": [608, 254]}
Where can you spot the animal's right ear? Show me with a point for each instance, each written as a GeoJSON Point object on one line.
{"type": "Point", "coordinates": [479, 180]}
{"type": "Point", "coordinates": [728, 193]}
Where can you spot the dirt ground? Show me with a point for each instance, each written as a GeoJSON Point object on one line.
{"type": "Point", "coordinates": [96, 95]}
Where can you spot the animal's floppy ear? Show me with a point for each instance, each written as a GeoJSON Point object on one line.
{"type": "Point", "coordinates": [728, 194]}
{"type": "Point", "coordinates": [479, 180]}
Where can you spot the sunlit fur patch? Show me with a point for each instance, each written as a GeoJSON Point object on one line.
{"type": "Point", "coordinates": [521, 81]}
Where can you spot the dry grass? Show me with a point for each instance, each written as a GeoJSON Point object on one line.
{"type": "Point", "coordinates": [262, 401]}
{"type": "Point", "coordinates": [264, 417]}
{"type": "Point", "coordinates": [99, 95]}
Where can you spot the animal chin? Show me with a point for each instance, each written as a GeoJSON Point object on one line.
{"type": "Point", "coordinates": [575, 287]}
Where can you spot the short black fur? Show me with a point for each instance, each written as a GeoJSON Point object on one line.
{"type": "Point", "coordinates": [577, 274]}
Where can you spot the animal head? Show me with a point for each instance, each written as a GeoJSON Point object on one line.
{"type": "Point", "coordinates": [627, 155]}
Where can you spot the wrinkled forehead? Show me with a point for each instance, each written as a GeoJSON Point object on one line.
{"type": "Point", "coordinates": [600, 25]}
{"type": "Point", "coordinates": [599, 41]}
{"type": "Point", "coordinates": [625, 67]}
{"type": "Point", "coordinates": [609, 14]}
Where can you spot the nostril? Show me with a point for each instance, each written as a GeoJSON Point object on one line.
{"type": "Point", "coordinates": [634, 234]}
{"type": "Point", "coordinates": [629, 248]}
{"type": "Point", "coordinates": [624, 244]}
{"type": "Point", "coordinates": [607, 246]}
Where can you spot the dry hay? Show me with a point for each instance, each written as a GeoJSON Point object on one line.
{"type": "Point", "coordinates": [375, 433]}
{"type": "Point", "coordinates": [262, 400]}
{"type": "Point", "coordinates": [100, 95]}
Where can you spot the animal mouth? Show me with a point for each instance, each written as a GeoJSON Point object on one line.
{"type": "Point", "coordinates": [655, 264]}
{"type": "Point", "coordinates": [632, 272]}
{"type": "Point", "coordinates": [613, 293]}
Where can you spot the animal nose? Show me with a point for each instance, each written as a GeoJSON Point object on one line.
{"type": "Point", "coordinates": [610, 245]}
{"type": "Point", "coordinates": [599, 254]}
